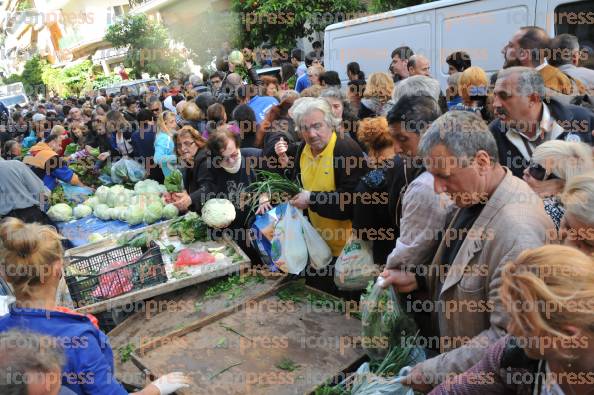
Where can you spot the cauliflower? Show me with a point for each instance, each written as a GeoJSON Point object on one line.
{"type": "Point", "coordinates": [218, 213]}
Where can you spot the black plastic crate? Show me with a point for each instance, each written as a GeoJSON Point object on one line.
{"type": "Point", "coordinates": [91, 279]}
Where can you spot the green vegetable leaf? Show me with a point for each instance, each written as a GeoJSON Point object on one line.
{"type": "Point", "coordinates": [174, 182]}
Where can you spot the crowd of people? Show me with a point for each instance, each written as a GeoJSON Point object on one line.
{"type": "Point", "coordinates": [462, 194]}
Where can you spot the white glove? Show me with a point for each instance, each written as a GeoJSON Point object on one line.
{"type": "Point", "coordinates": [171, 382]}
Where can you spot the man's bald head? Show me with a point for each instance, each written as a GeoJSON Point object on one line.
{"type": "Point", "coordinates": [419, 65]}
{"type": "Point", "coordinates": [100, 100]}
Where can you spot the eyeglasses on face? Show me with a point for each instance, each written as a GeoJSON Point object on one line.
{"type": "Point", "coordinates": [538, 172]}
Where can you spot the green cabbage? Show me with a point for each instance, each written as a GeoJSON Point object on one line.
{"type": "Point", "coordinates": [170, 211]}
{"type": "Point", "coordinates": [60, 212]}
{"type": "Point", "coordinates": [134, 215]}
{"type": "Point", "coordinates": [116, 196]}
{"type": "Point", "coordinates": [102, 193]}
{"type": "Point", "coordinates": [92, 202]}
{"type": "Point", "coordinates": [82, 211]}
{"type": "Point", "coordinates": [102, 212]}
{"type": "Point", "coordinates": [123, 212]}
{"type": "Point", "coordinates": [147, 186]}
{"type": "Point", "coordinates": [153, 212]}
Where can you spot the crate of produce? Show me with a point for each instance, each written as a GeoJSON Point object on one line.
{"type": "Point", "coordinates": [113, 273]}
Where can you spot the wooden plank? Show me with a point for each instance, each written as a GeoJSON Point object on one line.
{"type": "Point", "coordinates": [211, 318]}
{"type": "Point", "coordinates": [192, 349]}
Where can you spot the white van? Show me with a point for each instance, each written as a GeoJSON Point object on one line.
{"type": "Point", "coordinates": [479, 27]}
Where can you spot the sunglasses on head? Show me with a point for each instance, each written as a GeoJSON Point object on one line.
{"type": "Point", "coordinates": [539, 173]}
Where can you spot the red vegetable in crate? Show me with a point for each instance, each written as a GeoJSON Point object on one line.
{"type": "Point", "coordinates": [189, 257]}
{"type": "Point", "coordinates": [114, 283]}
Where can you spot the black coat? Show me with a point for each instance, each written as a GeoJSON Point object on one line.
{"type": "Point", "coordinates": [207, 180]}
{"type": "Point", "coordinates": [346, 178]}
{"type": "Point", "coordinates": [578, 122]}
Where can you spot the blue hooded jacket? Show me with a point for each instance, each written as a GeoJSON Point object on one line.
{"type": "Point", "coordinates": [89, 359]}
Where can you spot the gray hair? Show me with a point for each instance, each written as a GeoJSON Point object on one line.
{"type": "Point", "coordinates": [462, 133]}
{"type": "Point", "coordinates": [454, 79]}
{"type": "Point", "coordinates": [23, 353]}
{"type": "Point", "coordinates": [195, 79]}
{"type": "Point", "coordinates": [332, 93]}
{"type": "Point", "coordinates": [578, 198]}
{"type": "Point", "coordinates": [305, 105]}
{"type": "Point", "coordinates": [529, 81]}
{"type": "Point", "coordinates": [417, 85]}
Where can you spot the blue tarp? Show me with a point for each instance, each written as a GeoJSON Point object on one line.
{"type": "Point", "coordinates": [79, 230]}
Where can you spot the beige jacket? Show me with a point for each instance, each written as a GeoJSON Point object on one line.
{"type": "Point", "coordinates": [512, 221]}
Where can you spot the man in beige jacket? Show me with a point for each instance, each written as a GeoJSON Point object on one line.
{"type": "Point", "coordinates": [499, 216]}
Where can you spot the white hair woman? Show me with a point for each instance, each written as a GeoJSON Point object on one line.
{"type": "Point", "coordinates": [552, 164]}
{"type": "Point", "coordinates": [577, 225]}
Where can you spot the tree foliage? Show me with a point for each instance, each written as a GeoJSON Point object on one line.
{"type": "Point", "coordinates": [148, 45]}
{"type": "Point", "coordinates": [281, 22]}
{"type": "Point", "coordinates": [376, 6]}
{"type": "Point", "coordinates": [33, 70]}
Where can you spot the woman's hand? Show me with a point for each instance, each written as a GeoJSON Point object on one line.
{"type": "Point", "coordinates": [182, 201]}
{"type": "Point", "coordinates": [103, 156]}
{"type": "Point", "coordinates": [264, 204]}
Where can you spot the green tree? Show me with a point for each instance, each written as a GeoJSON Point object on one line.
{"type": "Point", "coordinates": [77, 78]}
{"type": "Point", "coordinates": [11, 79]}
{"type": "Point", "coordinates": [282, 22]}
{"type": "Point", "coordinates": [376, 6]}
{"type": "Point", "coordinates": [33, 70]}
{"type": "Point", "coordinates": [148, 45]}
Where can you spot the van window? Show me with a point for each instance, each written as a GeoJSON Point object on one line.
{"type": "Point", "coordinates": [577, 18]}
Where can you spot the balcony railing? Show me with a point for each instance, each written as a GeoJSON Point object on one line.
{"type": "Point", "coordinates": [137, 3]}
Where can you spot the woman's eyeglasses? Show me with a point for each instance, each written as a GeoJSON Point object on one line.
{"type": "Point", "coordinates": [539, 173]}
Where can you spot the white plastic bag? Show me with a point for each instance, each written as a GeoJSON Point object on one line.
{"type": "Point", "coordinates": [369, 384]}
{"type": "Point", "coordinates": [288, 249]}
{"type": "Point", "coordinates": [320, 254]}
{"type": "Point", "coordinates": [354, 267]}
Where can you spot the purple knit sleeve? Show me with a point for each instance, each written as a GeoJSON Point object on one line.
{"type": "Point", "coordinates": [483, 378]}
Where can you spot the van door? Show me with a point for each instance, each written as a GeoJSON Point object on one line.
{"type": "Point", "coordinates": [371, 43]}
{"type": "Point", "coordinates": [480, 28]}
{"type": "Point", "coordinates": [573, 17]}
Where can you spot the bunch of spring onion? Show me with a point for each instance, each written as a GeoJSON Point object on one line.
{"type": "Point", "coordinates": [275, 185]}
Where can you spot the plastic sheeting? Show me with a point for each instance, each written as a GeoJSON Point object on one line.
{"type": "Point", "coordinates": [78, 231]}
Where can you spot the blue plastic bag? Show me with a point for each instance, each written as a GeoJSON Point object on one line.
{"type": "Point", "coordinates": [127, 170]}
{"type": "Point", "coordinates": [76, 194]}
{"type": "Point", "coordinates": [262, 231]}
